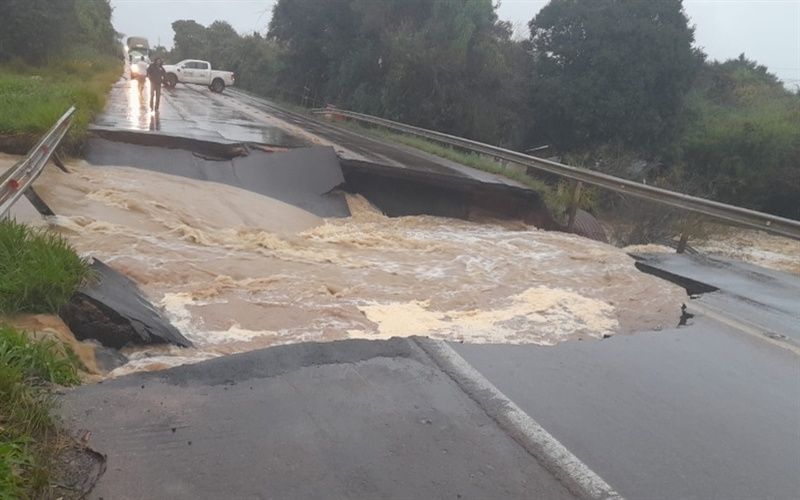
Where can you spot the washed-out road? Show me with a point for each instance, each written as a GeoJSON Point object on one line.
{"type": "Point", "coordinates": [706, 410]}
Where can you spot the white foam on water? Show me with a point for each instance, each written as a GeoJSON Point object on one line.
{"type": "Point", "coordinates": [235, 271]}
{"type": "Point", "coordinates": [542, 314]}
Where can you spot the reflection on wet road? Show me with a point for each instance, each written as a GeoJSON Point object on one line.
{"type": "Point", "coordinates": [188, 112]}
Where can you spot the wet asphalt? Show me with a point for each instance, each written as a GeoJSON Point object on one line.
{"type": "Point", "coordinates": [195, 112]}
{"type": "Point", "coordinates": [351, 419]}
{"type": "Point", "coordinates": [767, 301]}
{"type": "Point", "coordinates": [702, 411]}
{"type": "Point", "coordinates": [708, 410]}
{"type": "Point", "coordinates": [186, 112]}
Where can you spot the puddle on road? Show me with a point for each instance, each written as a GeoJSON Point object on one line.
{"type": "Point", "coordinates": [261, 134]}
{"type": "Point", "coordinates": [190, 111]}
{"type": "Point", "coordinates": [237, 271]}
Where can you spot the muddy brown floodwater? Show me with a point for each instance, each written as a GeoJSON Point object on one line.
{"type": "Point", "coordinates": [237, 271]}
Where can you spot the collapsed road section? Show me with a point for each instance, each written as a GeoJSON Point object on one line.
{"type": "Point", "coordinates": [363, 251]}
{"type": "Point", "coordinates": [285, 247]}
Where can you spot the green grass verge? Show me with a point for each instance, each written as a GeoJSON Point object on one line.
{"type": "Point", "coordinates": [27, 431]}
{"type": "Point", "coordinates": [39, 270]}
{"type": "Point", "coordinates": [33, 98]}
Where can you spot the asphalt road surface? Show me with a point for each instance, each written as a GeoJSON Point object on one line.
{"type": "Point", "coordinates": [352, 419]}
{"type": "Point", "coordinates": [702, 412]}
{"type": "Point", "coordinates": [710, 410]}
{"type": "Point", "coordinates": [766, 301]}
{"type": "Point", "coordinates": [186, 113]}
{"type": "Point", "coordinates": [195, 112]}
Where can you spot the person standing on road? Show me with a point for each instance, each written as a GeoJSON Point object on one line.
{"type": "Point", "coordinates": [156, 74]}
{"type": "Point", "coordinates": [141, 73]}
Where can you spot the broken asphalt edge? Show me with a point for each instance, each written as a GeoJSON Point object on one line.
{"type": "Point", "coordinates": [576, 476]}
{"type": "Point", "coordinates": [692, 286]}
{"type": "Point", "coordinates": [222, 149]}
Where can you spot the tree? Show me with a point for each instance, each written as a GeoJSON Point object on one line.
{"type": "Point", "coordinates": [36, 30]}
{"type": "Point", "coordinates": [443, 64]}
{"type": "Point", "coordinates": [189, 40]}
{"type": "Point", "coordinates": [611, 71]}
{"type": "Point", "coordinates": [93, 24]}
{"type": "Point", "coordinates": [742, 139]}
{"type": "Point", "coordinates": [314, 34]}
{"type": "Point", "coordinates": [222, 44]}
{"type": "Point", "coordinates": [258, 65]}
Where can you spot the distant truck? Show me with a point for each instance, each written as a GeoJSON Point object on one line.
{"type": "Point", "coordinates": [137, 46]}
{"type": "Point", "coordinates": [138, 50]}
{"type": "Point", "coordinates": [198, 72]}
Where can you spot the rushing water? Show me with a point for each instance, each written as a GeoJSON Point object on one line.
{"type": "Point", "coordinates": [237, 271]}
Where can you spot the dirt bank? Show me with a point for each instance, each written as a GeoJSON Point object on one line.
{"type": "Point", "coordinates": [50, 326]}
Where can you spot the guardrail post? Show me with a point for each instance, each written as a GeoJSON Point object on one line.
{"type": "Point", "coordinates": [574, 201]}
{"type": "Point", "coordinates": [59, 162]}
{"type": "Point", "coordinates": [683, 241]}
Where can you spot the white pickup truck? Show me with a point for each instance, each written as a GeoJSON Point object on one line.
{"type": "Point", "coordinates": [199, 72]}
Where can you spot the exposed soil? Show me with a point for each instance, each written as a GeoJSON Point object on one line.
{"type": "Point", "coordinates": [17, 144]}
{"type": "Point", "coordinates": [75, 468]}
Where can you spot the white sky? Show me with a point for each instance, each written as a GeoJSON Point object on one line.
{"type": "Point", "coordinates": [765, 30]}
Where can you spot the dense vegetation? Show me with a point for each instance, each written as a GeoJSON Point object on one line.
{"type": "Point", "coordinates": [53, 55]}
{"type": "Point", "coordinates": [742, 139]}
{"type": "Point", "coordinates": [40, 272]}
{"type": "Point", "coordinates": [592, 77]}
{"type": "Point", "coordinates": [610, 71]}
{"type": "Point", "coordinates": [28, 435]}
{"type": "Point", "coordinates": [38, 30]}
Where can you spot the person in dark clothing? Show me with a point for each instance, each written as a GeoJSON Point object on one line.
{"type": "Point", "coordinates": [156, 74]}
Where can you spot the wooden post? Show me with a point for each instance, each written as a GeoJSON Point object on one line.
{"type": "Point", "coordinates": [683, 241]}
{"type": "Point", "coordinates": [575, 198]}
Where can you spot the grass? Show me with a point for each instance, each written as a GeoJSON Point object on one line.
{"type": "Point", "coordinates": [28, 368]}
{"type": "Point", "coordinates": [33, 98]}
{"type": "Point", "coordinates": [44, 359]}
{"type": "Point", "coordinates": [39, 270]}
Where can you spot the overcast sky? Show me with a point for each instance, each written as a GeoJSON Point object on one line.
{"type": "Point", "coordinates": [765, 30]}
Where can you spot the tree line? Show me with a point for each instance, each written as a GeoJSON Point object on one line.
{"type": "Point", "coordinates": [591, 77]}
{"type": "Point", "coordinates": [38, 31]}
{"type": "Point", "coordinates": [609, 83]}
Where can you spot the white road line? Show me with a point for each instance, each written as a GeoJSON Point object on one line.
{"type": "Point", "coordinates": [740, 325]}
{"type": "Point", "coordinates": [553, 455]}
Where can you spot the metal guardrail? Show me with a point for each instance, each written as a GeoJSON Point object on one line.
{"type": "Point", "coordinates": [746, 217]}
{"type": "Point", "coordinates": [16, 180]}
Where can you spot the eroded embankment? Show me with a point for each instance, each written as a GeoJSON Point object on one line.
{"type": "Point", "coordinates": [237, 271]}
